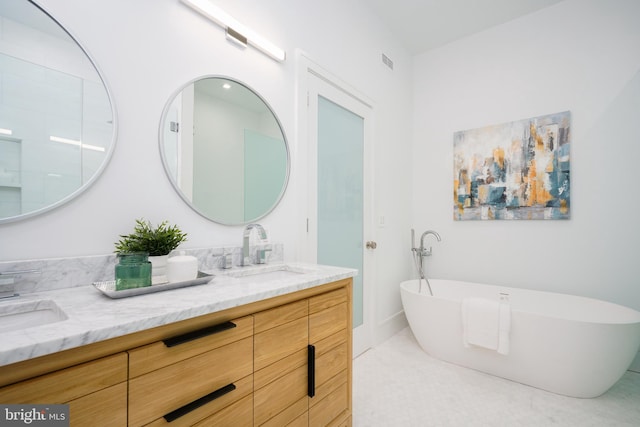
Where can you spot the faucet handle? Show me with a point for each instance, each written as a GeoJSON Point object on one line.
{"type": "Point", "coordinates": [225, 261]}
{"type": "Point", "coordinates": [261, 255]}
{"type": "Point", "coordinates": [7, 288]}
{"type": "Point", "coordinates": [8, 280]}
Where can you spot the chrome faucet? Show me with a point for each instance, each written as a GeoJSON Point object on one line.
{"type": "Point", "coordinates": [246, 259]}
{"type": "Point", "coordinates": [423, 250]}
{"type": "Point", "coordinates": [420, 253]}
{"type": "Point", "coordinates": [8, 280]}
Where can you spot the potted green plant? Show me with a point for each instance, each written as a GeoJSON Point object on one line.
{"type": "Point", "coordinates": [158, 242]}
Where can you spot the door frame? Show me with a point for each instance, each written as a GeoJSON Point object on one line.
{"type": "Point", "coordinates": [306, 162]}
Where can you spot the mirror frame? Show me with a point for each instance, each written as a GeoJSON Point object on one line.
{"type": "Point", "coordinates": [114, 133]}
{"type": "Point", "coordinates": [163, 119]}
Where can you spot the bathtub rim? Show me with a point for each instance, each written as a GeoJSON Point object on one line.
{"type": "Point", "coordinates": [627, 310]}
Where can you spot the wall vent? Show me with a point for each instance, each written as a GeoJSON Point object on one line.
{"type": "Point", "coordinates": [387, 61]}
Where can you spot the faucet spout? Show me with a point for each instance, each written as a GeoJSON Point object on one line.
{"type": "Point", "coordinates": [427, 252]}
{"type": "Point", "coordinates": [246, 259]}
{"type": "Point", "coordinates": [8, 281]}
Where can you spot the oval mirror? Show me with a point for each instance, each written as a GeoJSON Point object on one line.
{"type": "Point", "coordinates": [224, 150]}
{"type": "Point", "coordinates": [56, 118]}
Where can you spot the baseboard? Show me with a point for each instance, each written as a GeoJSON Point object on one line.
{"type": "Point", "coordinates": [635, 365]}
{"type": "Point", "coordinates": [390, 326]}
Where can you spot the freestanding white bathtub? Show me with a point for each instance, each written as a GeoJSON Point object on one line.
{"type": "Point", "coordinates": [565, 344]}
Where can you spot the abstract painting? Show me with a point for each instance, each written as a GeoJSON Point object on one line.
{"type": "Point", "coordinates": [517, 170]}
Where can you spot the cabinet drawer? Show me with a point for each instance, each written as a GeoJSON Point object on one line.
{"type": "Point", "coordinates": [268, 319]}
{"type": "Point", "coordinates": [104, 408]}
{"type": "Point", "coordinates": [157, 355]}
{"type": "Point", "coordinates": [157, 393]}
{"type": "Point", "coordinates": [233, 409]}
{"type": "Point", "coordinates": [68, 384]}
{"type": "Point", "coordinates": [276, 343]}
{"type": "Point", "coordinates": [328, 322]}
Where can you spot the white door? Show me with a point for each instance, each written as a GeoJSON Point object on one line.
{"type": "Point", "coordinates": [340, 208]}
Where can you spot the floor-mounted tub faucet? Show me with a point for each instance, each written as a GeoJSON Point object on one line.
{"type": "Point", "coordinates": [420, 253]}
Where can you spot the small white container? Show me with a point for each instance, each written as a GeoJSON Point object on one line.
{"type": "Point", "coordinates": [181, 268]}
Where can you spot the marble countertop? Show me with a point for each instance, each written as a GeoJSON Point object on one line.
{"type": "Point", "coordinates": [94, 317]}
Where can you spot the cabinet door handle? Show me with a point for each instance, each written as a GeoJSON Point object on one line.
{"type": "Point", "coordinates": [311, 370]}
{"type": "Point", "coordinates": [200, 333]}
{"type": "Point", "coordinates": [184, 410]}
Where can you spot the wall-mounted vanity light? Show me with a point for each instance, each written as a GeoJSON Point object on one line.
{"type": "Point", "coordinates": [6, 131]}
{"type": "Point", "coordinates": [236, 32]}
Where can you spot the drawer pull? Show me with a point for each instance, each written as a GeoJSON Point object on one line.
{"type": "Point", "coordinates": [200, 333]}
{"type": "Point", "coordinates": [311, 370]}
{"type": "Point", "coordinates": [174, 415]}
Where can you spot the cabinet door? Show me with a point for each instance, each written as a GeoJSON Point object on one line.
{"type": "Point", "coordinates": [280, 360]}
{"type": "Point", "coordinates": [303, 349]}
{"type": "Point", "coordinates": [330, 335]}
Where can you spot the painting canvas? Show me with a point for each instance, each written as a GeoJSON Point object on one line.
{"type": "Point", "coordinates": [511, 171]}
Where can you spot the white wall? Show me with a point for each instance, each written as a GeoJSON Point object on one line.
{"type": "Point", "coordinates": [146, 49]}
{"type": "Point", "coordinates": [579, 55]}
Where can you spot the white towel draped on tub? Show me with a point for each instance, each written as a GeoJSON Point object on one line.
{"type": "Point", "coordinates": [486, 323]}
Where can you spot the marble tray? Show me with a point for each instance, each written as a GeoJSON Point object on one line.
{"type": "Point", "coordinates": [109, 288]}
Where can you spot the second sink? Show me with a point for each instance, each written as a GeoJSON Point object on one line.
{"type": "Point", "coordinates": [26, 314]}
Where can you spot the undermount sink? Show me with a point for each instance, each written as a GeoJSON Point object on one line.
{"type": "Point", "coordinates": [266, 273]}
{"type": "Point", "coordinates": [26, 314]}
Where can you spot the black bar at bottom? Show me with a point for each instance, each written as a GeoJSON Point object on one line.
{"type": "Point", "coordinates": [174, 415]}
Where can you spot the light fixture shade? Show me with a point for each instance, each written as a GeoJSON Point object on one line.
{"type": "Point", "coordinates": [235, 28]}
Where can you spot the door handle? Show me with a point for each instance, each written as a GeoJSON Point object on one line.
{"type": "Point", "coordinates": [371, 244]}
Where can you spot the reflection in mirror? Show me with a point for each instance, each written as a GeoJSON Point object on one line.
{"type": "Point", "coordinates": [224, 150]}
{"type": "Point", "coordinates": [56, 118]}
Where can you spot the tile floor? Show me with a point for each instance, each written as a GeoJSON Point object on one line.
{"type": "Point", "coordinates": [397, 384]}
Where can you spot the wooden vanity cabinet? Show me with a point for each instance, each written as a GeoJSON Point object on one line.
{"type": "Point", "coordinates": [302, 362]}
{"type": "Point", "coordinates": [96, 391]}
{"type": "Point", "coordinates": [284, 361]}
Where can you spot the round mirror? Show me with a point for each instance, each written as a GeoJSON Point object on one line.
{"type": "Point", "coordinates": [224, 150]}
{"type": "Point", "coordinates": [56, 119]}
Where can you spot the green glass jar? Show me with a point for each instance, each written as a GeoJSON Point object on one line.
{"type": "Point", "coordinates": [133, 270]}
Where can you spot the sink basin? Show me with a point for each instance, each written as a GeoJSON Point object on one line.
{"type": "Point", "coordinates": [26, 314]}
{"type": "Point", "coordinates": [274, 275]}
{"type": "Point", "coordinates": [265, 273]}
